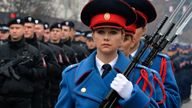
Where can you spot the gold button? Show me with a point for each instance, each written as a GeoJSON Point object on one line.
{"type": "Point", "coordinates": [83, 90]}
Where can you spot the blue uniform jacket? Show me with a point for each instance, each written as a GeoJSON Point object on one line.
{"type": "Point", "coordinates": [83, 87]}
{"type": "Point", "coordinates": [169, 82]}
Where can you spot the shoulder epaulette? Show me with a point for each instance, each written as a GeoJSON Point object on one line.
{"type": "Point", "coordinates": [141, 66]}
{"type": "Point", "coordinates": [154, 71]}
{"type": "Point", "coordinates": [163, 55]}
{"type": "Point", "coordinates": [147, 68]}
{"type": "Point", "coordinates": [70, 67]}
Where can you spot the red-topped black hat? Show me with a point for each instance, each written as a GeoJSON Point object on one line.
{"type": "Point", "coordinates": [130, 29]}
{"type": "Point", "coordinates": [107, 12]}
{"type": "Point", "coordinates": [144, 8]}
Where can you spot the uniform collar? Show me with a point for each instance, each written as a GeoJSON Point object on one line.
{"type": "Point", "coordinates": [32, 41]}
{"type": "Point", "coordinates": [141, 44]}
{"type": "Point", "coordinates": [134, 53]}
{"type": "Point", "coordinates": [99, 63]}
{"type": "Point", "coordinates": [89, 65]}
{"type": "Point", "coordinates": [17, 44]}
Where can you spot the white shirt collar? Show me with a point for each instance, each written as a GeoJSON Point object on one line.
{"type": "Point", "coordinates": [134, 53]}
{"type": "Point", "coordinates": [99, 64]}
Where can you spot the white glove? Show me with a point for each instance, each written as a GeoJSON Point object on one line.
{"type": "Point", "coordinates": [122, 86]}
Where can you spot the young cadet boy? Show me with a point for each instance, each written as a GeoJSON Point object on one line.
{"type": "Point", "coordinates": [161, 63]}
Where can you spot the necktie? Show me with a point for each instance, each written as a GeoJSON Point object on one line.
{"type": "Point", "coordinates": [106, 68]}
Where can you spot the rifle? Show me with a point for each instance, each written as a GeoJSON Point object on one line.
{"type": "Point", "coordinates": [169, 37]}
{"type": "Point", "coordinates": [7, 69]}
{"type": "Point", "coordinates": [111, 100]}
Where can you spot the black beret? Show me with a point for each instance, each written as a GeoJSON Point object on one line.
{"type": "Point", "coordinates": [29, 19]}
{"type": "Point", "coordinates": [96, 7]}
{"type": "Point", "coordinates": [55, 25]}
{"type": "Point", "coordinates": [172, 47]}
{"type": "Point", "coordinates": [4, 27]}
{"type": "Point", "coordinates": [68, 23]}
{"type": "Point", "coordinates": [145, 7]}
{"type": "Point", "coordinates": [38, 21]}
{"type": "Point", "coordinates": [89, 34]}
{"type": "Point", "coordinates": [17, 20]}
{"type": "Point", "coordinates": [79, 33]}
{"type": "Point", "coordinates": [46, 25]}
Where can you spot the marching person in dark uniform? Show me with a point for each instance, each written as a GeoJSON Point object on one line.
{"type": "Point", "coordinates": [46, 34]}
{"type": "Point", "coordinates": [86, 84]}
{"type": "Point", "coordinates": [80, 38]}
{"type": "Point", "coordinates": [63, 54]}
{"type": "Point", "coordinates": [81, 52]}
{"type": "Point", "coordinates": [67, 32]}
{"type": "Point", "coordinates": [62, 60]}
{"type": "Point", "coordinates": [55, 39]}
{"type": "Point", "coordinates": [39, 29]}
{"type": "Point", "coordinates": [67, 27]}
{"type": "Point", "coordinates": [24, 66]}
{"type": "Point", "coordinates": [89, 42]}
{"type": "Point", "coordinates": [4, 33]}
{"type": "Point", "coordinates": [50, 62]}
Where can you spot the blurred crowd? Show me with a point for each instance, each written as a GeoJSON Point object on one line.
{"type": "Point", "coordinates": [181, 56]}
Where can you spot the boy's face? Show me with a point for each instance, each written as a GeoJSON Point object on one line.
{"type": "Point", "coordinates": [127, 44]}
{"type": "Point", "coordinates": [108, 40]}
{"type": "Point", "coordinates": [138, 34]}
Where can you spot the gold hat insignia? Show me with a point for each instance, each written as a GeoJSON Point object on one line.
{"type": "Point", "coordinates": [107, 16]}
